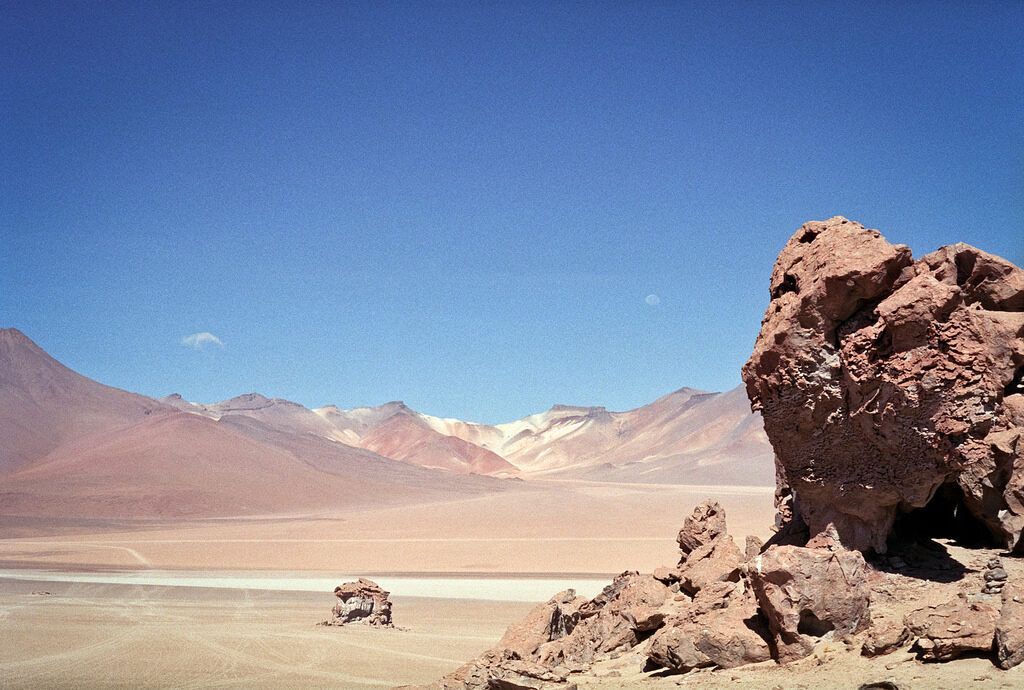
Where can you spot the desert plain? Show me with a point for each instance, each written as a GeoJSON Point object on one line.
{"type": "Point", "coordinates": [476, 566]}
{"type": "Point", "coordinates": [240, 598]}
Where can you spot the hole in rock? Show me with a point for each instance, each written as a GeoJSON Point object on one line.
{"type": "Point", "coordinates": [1016, 384]}
{"type": "Point", "coordinates": [788, 284]}
{"type": "Point", "coordinates": [810, 624]}
{"type": "Point", "coordinates": [808, 236]}
{"type": "Point", "coordinates": [882, 346]}
{"type": "Point", "coordinates": [944, 517]}
{"type": "Point", "coordinates": [964, 267]}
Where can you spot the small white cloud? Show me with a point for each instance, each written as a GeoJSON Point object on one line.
{"type": "Point", "coordinates": [652, 300]}
{"type": "Point", "coordinates": [197, 341]}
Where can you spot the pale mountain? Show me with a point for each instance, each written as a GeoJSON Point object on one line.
{"type": "Point", "coordinates": [687, 436]}
{"type": "Point", "coordinates": [275, 412]}
{"type": "Point", "coordinates": [391, 430]}
{"type": "Point", "coordinates": [692, 438]}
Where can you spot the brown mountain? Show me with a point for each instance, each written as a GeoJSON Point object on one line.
{"type": "Point", "coordinates": [73, 447]}
{"type": "Point", "coordinates": [43, 404]}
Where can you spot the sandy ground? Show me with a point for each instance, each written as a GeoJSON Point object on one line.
{"type": "Point", "coordinates": [120, 635]}
{"type": "Point", "coordinates": [557, 527]}
{"type": "Point", "coordinates": [124, 636]}
{"type": "Point", "coordinates": [137, 636]}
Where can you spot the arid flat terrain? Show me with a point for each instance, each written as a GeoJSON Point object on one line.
{"type": "Point", "coordinates": [557, 527]}
{"type": "Point", "coordinates": [84, 635]}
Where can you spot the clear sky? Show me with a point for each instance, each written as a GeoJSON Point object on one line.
{"type": "Point", "coordinates": [482, 208]}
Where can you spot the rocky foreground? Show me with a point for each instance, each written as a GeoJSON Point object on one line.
{"type": "Point", "coordinates": [892, 395]}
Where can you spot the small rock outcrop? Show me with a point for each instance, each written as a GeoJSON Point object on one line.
{"type": "Point", "coordinates": [953, 629]}
{"type": "Point", "coordinates": [881, 379]}
{"type": "Point", "coordinates": [721, 627]}
{"type": "Point", "coordinates": [709, 553]}
{"type": "Point", "coordinates": [1009, 642]}
{"type": "Point", "coordinates": [699, 614]}
{"type": "Point", "coordinates": [363, 602]}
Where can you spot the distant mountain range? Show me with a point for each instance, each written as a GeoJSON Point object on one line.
{"type": "Point", "coordinates": [70, 445]}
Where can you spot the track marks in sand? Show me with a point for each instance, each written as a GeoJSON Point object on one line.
{"type": "Point", "coordinates": [139, 558]}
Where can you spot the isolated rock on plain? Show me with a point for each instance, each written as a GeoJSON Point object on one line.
{"type": "Point", "coordinates": [363, 602]}
{"type": "Point", "coordinates": [881, 379]}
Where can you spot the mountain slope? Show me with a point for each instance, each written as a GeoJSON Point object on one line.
{"type": "Point", "coordinates": [688, 436]}
{"type": "Point", "coordinates": [391, 430]}
{"type": "Point", "coordinates": [44, 404]}
{"type": "Point", "coordinates": [405, 436]}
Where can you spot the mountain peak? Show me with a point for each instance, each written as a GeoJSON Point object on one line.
{"type": "Point", "coordinates": [12, 338]}
{"type": "Point", "coordinates": [13, 335]}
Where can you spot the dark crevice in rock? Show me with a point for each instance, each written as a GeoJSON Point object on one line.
{"type": "Point", "coordinates": [788, 284]}
{"type": "Point", "coordinates": [812, 625]}
{"type": "Point", "coordinates": [946, 516]}
{"type": "Point", "coordinates": [883, 346]}
{"type": "Point", "coordinates": [808, 236]}
{"type": "Point", "coordinates": [965, 262]}
{"type": "Point", "coordinates": [1016, 384]}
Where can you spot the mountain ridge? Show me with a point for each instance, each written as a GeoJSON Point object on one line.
{"type": "Point", "coordinates": [71, 443]}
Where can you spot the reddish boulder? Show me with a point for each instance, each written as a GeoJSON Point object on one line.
{"type": "Point", "coordinates": [886, 634]}
{"type": "Point", "coordinates": [722, 631]}
{"type": "Point", "coordinates": [952, 629]}
{"type": "Point", "coordinates": [1010, 628]}
{"type": "Point", "coordinates": [614, 621]}
{"type": "Point", "coordinates": [705, 525]}
{"type": "Point", "coordinates": [504, 670]}
{"type": "Point", "coordinates": [808, 593]}
{"type": "Point", "coordinates": [718, 561]}
{"type": "Point", "coordinates": [361, 602]}
{"type": "Point", "coordinates": [880, 379]}
{"type": "Point", "coordinates": [547, 622]}
{"type": "Point", "coordinates": [709, 554]}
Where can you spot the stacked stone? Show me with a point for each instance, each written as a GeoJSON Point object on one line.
{"type": "Point", "coordinates": [995, 577]}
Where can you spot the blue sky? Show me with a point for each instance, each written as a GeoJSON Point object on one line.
{"type": "Point", "coordinates": [465, 206]}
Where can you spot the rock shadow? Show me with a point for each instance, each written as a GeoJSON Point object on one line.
{"type": "Point", "coordinates": [923, 559]}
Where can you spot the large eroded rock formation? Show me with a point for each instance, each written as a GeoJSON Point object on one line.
{"type": "Point", "coordinates": [882, 380]}
{"type": "Point", "coordinates": [363, 601]}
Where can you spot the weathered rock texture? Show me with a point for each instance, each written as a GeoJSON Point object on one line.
{"type": "Point", "coordinates": [700, 614]}
{"type": "Point", "coordinates": [808, 593]}
{"type": "Point", "coordinates": [362, 602]}
{"type": "Point", "coordinates": [882, 379]}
